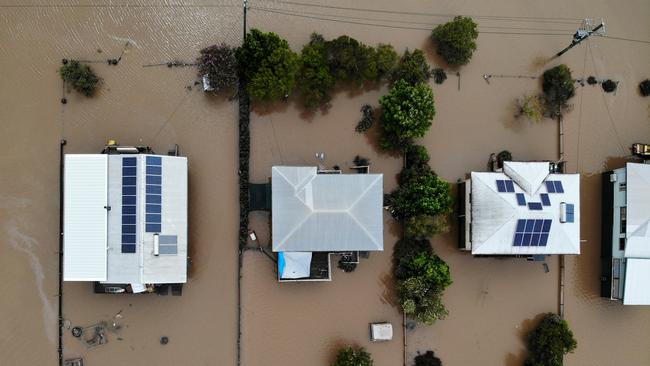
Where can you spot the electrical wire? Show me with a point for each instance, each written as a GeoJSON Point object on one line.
{"type": "Point", "coordinates": [128, 6]}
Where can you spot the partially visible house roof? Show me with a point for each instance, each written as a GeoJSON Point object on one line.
{"type": "Point", "coordinates": [498, 216]}
{"type": "Point", "coordinates": [326, 212]}
{"type": "Point", "coordinates": [637, 282]}
{"type": "Point", "coordinates": [638, 212]}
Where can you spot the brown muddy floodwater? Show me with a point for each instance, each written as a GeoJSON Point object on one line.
{"type": "Point", "coordinates": [492, 303]}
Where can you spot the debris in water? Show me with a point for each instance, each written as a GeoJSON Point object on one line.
{"type": "Point", "coordinates": [77, 332]}
{"type": "Point", "coordinates": [164, 340]}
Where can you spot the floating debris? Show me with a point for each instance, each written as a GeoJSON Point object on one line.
{"type": "Point", "coordinates": [164, 340]}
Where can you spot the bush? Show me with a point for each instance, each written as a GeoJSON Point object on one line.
{"type": "Point", "coordinates": [439, 75]}
{"type": "Point", "coordinates": [416, 156]}
{"type": "Point", "coordinates": [386, 60]}
{"type": "Point", "coordinates": [80, 77]}
{"type": "Point", "coordinates": [609, 86]}
{"type": "Point", "coordinates": [530, 107]}
{"type": "Point", "coordinates": [425, 226]}
{"type": "Point", "coordinates": [456, 40]}
{"type": "Point", "coordinates": [350, 356]}
{"type": "Point", "coordinates": [549, 342]}
{"type": "Point", "coordinates": [421, 277]}
{"type": "Point", "coordinates": [427, 359]}
{"type": "Point", "coordinates": [592, 80]}
{"type": "Point", "coordinates": [557, 84]}
{"type": "Point", "coordinates": [421, 193]}
{"type": "Point", "coordinates": [644, 87]}
{"type": "Point", "coordinates": [366, 120]}
{"type": "Point", "coordinates": [407, 111]}
{"type": "Point", "coordinates": [502, 156]}
{"type": "Point", "coordinates": [267, 65]}
{"type": "Point", "coordinates": [351, 60]}
{"type": "Point", "coordinates": [220, 66]}
{"type": "Point", "coordinates": [413, 68]}
{"type": "Point", "coordinates": [316, 80]}
{"type": "Point", "coordinates": [361, 161]}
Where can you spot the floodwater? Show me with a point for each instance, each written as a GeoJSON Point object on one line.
{"type": "Point", "coordinates": [492, 303]}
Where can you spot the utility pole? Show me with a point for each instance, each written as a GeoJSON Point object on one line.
{"type": "Point", "coordinates": [583, 33]}
{"type": "Point", "coordinates": [245, 11]}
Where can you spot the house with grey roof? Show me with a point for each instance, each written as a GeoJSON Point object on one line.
{"type": "Point", "coordinates": [524, 210]}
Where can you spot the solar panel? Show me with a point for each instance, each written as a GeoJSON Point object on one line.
{"type": "Point", "coordinates": [535, 206]}
{"type": "Point", "coordinates": [532, 232]}
{"type": "Point", "coordinates": [558, 187]}
{"type": "Point", "coordinates": [501, 186]}
{"type": "Point", "coordinates": [153, 217]}
{"type": "Point", "coordinates": [545, 200]}
{"type": "Point", "coordinates": [550, 186]}
{"type": "Point", "coordinates": [521, 200]}
{"type": "Point", "coordinates": [510, 187]}
{"type": "Point", "coordinates": [570, 214]}
{"type": "Point", "coordinates": [129, 199]}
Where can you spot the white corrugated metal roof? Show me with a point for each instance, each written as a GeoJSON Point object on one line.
{"type": "Point", "coordinates": [326, 212]}
{"type": "Point", "coordinates": [495, 214]}
{"type": "Point", "coordinates": [85, 197]}
{"type": "Point", "coordinates": [638, 212]}
{"type": "Point", "coordinates": [637, 277]}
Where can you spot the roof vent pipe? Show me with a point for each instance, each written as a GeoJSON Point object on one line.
{"type": "Point", "coordinates": [562, 212]}
{"type": "Point", "coordinates": [156, 244]}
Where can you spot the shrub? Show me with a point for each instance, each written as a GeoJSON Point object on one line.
{"type": "Point", "coordinates": [609, 86]}
{"type": "Point", "coordinates": [413, 68]}
{"type": "Point", "coordinates": [366, 120]}
{"type": "Point", "coordinates": [592, 80]}
{"type": "Point", "coordinates": [407, 111]}
{"type": "Point", "coordinates": [425, 226]}
{"type": "Point", "coordinates": [416, 156]}
{"type": "Point", "coordinates": [350, 356]}
{"type": "Point", "coordinates": [386, 60]}
{"type": "Point", "coordinates": [361, 161]}
{"type": "Point", "coordinates": [557, 84]}
{"type": "Point", "coordinates": [502, 156]}
{"type": "Point", "coordinates": [644, 87]}
{"type": "Point", "coordinates": [267, 65]}
{"type": "Point", "coordinates": [351, 60]}
{"type": "Point", "coordinates": [316, 80]}
{"type": "Point", "coordinates": [427, 359]}
{"type": "Point", "coordinates": [421, 277]}
{"type": "Point", "coordinates": [439, 75]}
{"type": "Point", "coordinates": [456, 40]}
{"type": "Point", "coordinates": [220, 66]}
{"type": "Point", "coordinates": [549, 342]}
{"type": "Point", "coordinates": [80, 77]}
{"type": "Point", "coordinates": [530, 107]}
{"type": "Point", "coordinates": [423, 193]}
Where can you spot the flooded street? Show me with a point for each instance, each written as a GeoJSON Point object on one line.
{"type": "Point", "coordinates": [492, 303]}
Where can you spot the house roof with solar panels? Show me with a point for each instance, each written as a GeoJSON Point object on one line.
{"type": "Point", "coordinates": [125, 218]}
{"type": "Point", "coordinates": [525, 210]}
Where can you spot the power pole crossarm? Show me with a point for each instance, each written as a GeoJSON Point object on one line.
{"type": "Point", "coordinates": [581, 35]}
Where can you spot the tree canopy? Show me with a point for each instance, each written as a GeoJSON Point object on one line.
{"type": "Point", "coordinates": [315, 79]}
{"type": "Point", "coordinates": [456, 40]}
{"type": "Point", "coordinates": [219, 63]}
{"type": "Point", "coordinates": [558, 88]}
{"type": "Point", "coordinates": [549, 342]}
{"type": "Point", "coordinates": [427, 359]}
{"type": "Point", "coordinates": [412, 67]}
{"type": "Point", "coordinates": [421, 193]}
{"type": "Point", "coordinates": [351, 356]}
{"type": "Point", "coordinates": [80, 77]}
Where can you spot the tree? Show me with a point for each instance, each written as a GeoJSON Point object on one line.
{"type": "Point", "coordinates": [416, 156]}
{"type": "Point", "coordinates": [351, 356]}
{"type": "Point", "coordinates": [439, 75]}
{"type": "Point", "coordinates": [530, 107]}
{"type": "Point", "coordinates": [557, 84]}
{"type": "Point", "coordinates": [316, 80]}
{"type": "Point", "coordinates": [456, 40]}
{"type": "Point", "coordinates": [609, 86]}
{"type": "Point", "coordinates": [423, 193]}
{"type": "Point", "coordinates": [644, 87]}
{"type": "Point", "coordinates": [218, 62]}
{"type": "Point", "coordinates": [351, 60]}
{"type": "Point", "coordinates": [549, 342]}
{"type": "Point", "coordinates": [502, 156]}
{"type": "Point", "coordinates": [425, 226]}
{"type": "Point", "coordinates": [427, 359]}
{"type": "Point", "coordinates": [407, 114]}
{"type": "Point", "coordinates": [80, 77]}
{"type": "Point", "coordinates": [267, 65]}
{"type": "Point", "coordinates": [367, 119]}
{"type": "Point", "coordinates": [413, 68]}
{"type": "Point", "coordinates": [386, 60]}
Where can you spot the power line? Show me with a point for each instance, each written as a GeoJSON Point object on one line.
{"type": "Point", "coordinates": [496, 17]}
{"type": "Point", "coordinates": [129, 6]}
{"type": "Point", "coordinates": [627, 39]}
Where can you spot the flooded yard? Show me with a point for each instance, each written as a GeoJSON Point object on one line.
{"type": "Point", "coordinates": [492, 303]}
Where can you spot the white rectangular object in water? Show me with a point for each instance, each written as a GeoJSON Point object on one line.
{"type": "Point", "coordinates": [381, 332]}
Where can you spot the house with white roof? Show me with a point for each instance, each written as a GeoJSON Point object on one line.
{"type": "Point", "coordinates": [524, 210]}
{"type": "Point", "coordinates": [125, 219]}
{"type": "Point", "coordinates": [315, 215]}
{"type": "Point", "coordinates": [625, 245]}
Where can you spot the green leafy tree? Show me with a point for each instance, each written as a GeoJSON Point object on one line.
{"type": "Point", "coordinates": [413, 68]}
{"type": "Point", "coordinates": [386, 60]}
{"type": "Point", "coordinates": [425, 226]}
{"type": "Point", "coordinates": [351, 60]}
{"type": "Point", "coordinates": [315, 79]}
{"type": "Point", "coordinates": [421, 194]}
{"type": "Point", "coordinates": [267, 65]}
{"type": "Point", "coordinates": [530, 107]}
{"type": "Point", "coordinates": [351, 356]}
{"type": "Point", "coordinates": [549, 342]}
{"type": "Point", "coordinates": [427, 359]}
{"type": "Point", "coordinates": [558, 87]}
{"type": "Point", "coordinates": [417, 156]}
{"type": "Point", "coordinates": [407, 113]}
{"type": "Point", "coordinates": [80, 77]}
{"type": "Point", "coordinates": [218, 62]}
{"type": "Point", "coordinates": [456, 40]}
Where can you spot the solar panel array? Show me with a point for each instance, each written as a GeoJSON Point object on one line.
{"type": "Point", "coordinates": [129, 200]}
{"type": "Point", "coordinates": [154, 194]}
{"type": "Point", "coordinates": [505, 186]}
{"type": "Point", "coordinates": [532, 232]}
{"type": "Point", "coordinates": [554, 186]}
